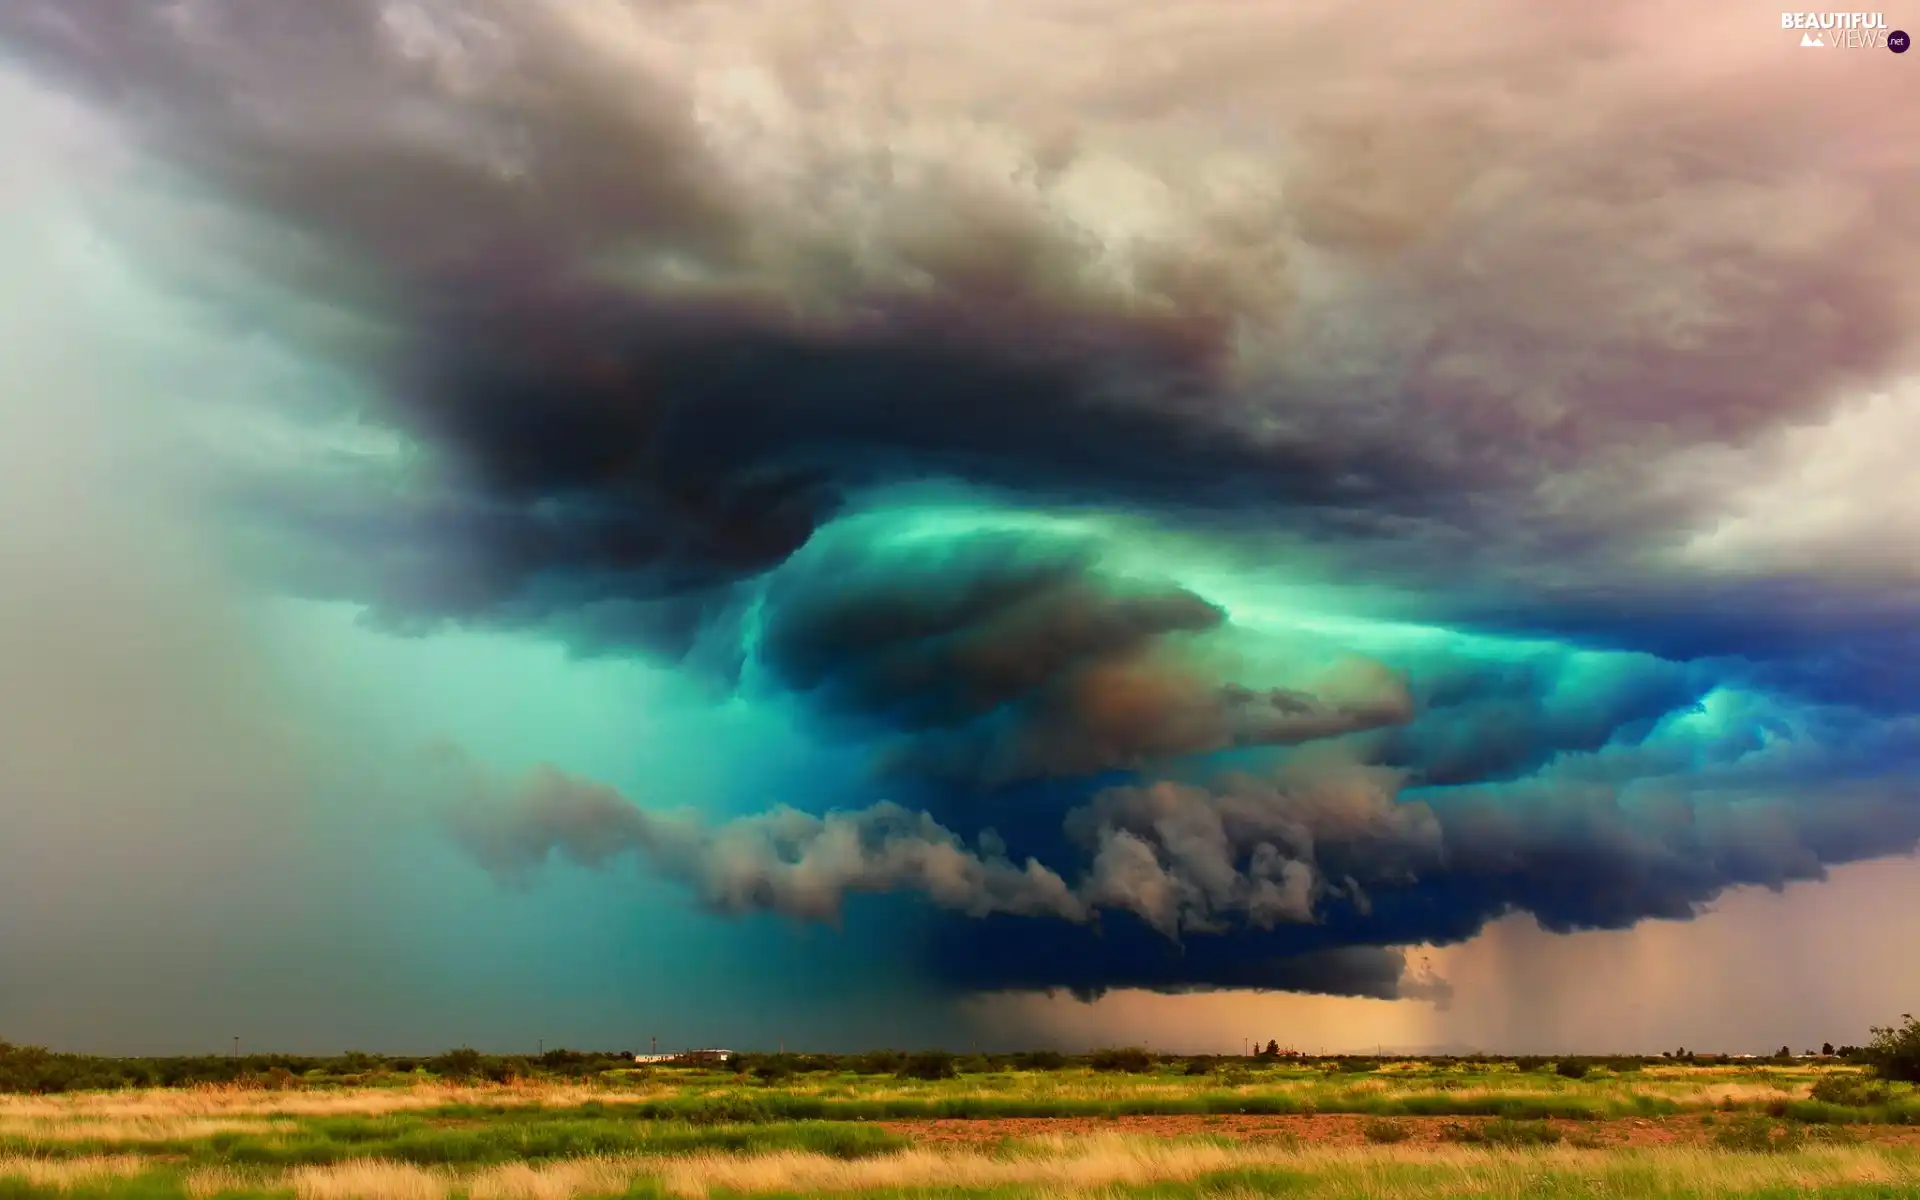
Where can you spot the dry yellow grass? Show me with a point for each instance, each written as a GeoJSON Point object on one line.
{"type": "Point", "coordinates": [211, 1181]}
{"type": "Point", "coordinates": [132, 1129]}
{"type": "Point", "coordinates": [1073, 1166]}
{"type": "Point", "coordinates": [555, 1181]}
{"type": "Point", "coordinates": [1738, 1093]}
{"type": "Point", "coordinates": [217, 1102]}
{"type": "Point", "coordinates": [369, 1179]}
{"type": "Point", "coordinates": [1067, 1164]}
{"type": "Point", "coordinates": [69, 1172]}
{"type": "Point", "coordinates": [1055, 1165]}
{"type": "Point", "coordinates": [53, 1116]}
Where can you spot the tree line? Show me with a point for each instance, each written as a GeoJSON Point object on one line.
{"type": "Point", "coordinates": [1892, 1054]}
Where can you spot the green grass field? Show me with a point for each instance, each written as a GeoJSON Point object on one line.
{"type": "Point", "coordinates": [1396, 1129]}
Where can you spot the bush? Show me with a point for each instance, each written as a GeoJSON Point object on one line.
{"type": "Point", "coordinates": [1570, 1069]}
{"type": "Point", "coordinates": [879, 1062]}
{"type": "Point", "coordinates": [729, 1108]}
{"type": "Point", "coordinates": [1040, 1060]}
{"type": "Point", "coordinates": [1760, 1137]}
{"type": "Point", "coordinates": [1894, 1052]}
{"type": "Point", "coordinates": [1132, 1060]}
{"type": "Point", "coordinates": [1850, 1091]}
{"type": "Point", "coordinates": [460, 1064]}
{"type": "Point", "coordinates": [929, 1064]}
{"type": "Point", "coordinates": [1385, 1133]}
{"type": "Point", "coordinates": [1503, 1132]}
{"type": "Point", "coordinates": [1530, 1062]}
{"type": "Point", "coordinates": [506, 1070]}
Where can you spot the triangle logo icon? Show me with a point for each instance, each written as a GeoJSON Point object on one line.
{"type": "Point", "coordinates": [1811, 39]}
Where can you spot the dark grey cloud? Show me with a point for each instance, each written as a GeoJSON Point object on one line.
{"type": "Point", "coordinates": [806, 867]}
{"type": "Point", "coordinates": [654, 363]}
{"type": "Point", "coordinates": [783, 861]}
{"type": "Point", "coordinates": [1328, 852]}
{"type": "Point", "coordinates": [1260, 880]}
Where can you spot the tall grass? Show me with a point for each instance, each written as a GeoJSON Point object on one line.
{"type": "Point", "coordinates": [521, 1137]}
{"type": "Point", "coordinates": [1101, 1166]}
{"type": "Point", "coordinates": [563, 1119]}
{"type": "Point", "coordinates": [1299, 1088]}
{"type": "Point", "coordinates": [746, 1107]}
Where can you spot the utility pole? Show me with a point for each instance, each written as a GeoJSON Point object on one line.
{"type": "Point", "coordinates": [543, 1045]}
{"type": "Point", "coordinates": [654, 1042]}
{"type": "Point", "coordinates": [236, 1045]}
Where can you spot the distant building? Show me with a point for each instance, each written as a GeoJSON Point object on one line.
{"type": "Point", "coordinates": [690, 1058]}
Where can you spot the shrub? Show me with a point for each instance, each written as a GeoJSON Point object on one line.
{"type": "Point", "coordinates": [1198, 1066]}
{"type": "Point", "coordinates": [506, 1070]}
{"type": "Point", "coordinates": [1849, 1090]}
{"type": "Point", "coordinates": [929, 1064]}
{"type": "Point", "coordinates": [1570, 1069]}
{"type": "Point", "coordinates": [1132, 1060]}
{"type": "Point", "coordinates": [1529, 1062]}
{"type": "Point", "coordinates": [1760, 1137]}
{"type": "Point", "coordinates": [1385, 1133]}
{"type": "Point", "coordinates": [1894, 1051]}
{"type": "Point", "coordinates": [460, 1064]}
{"type": "Point", "coordinates": [879, 1062]}
{"type": "Point", "coordinates": [1503, 1132]}
{"type": "Point", "coordinates": [1040, 1060]}
{"type": "Point", "coordinates": [729, 1108]}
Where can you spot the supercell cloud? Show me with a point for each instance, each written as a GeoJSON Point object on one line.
{"type": "Point", "coordinates": [1252, 481]}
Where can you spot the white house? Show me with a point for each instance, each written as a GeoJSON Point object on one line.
{"type": "Point", "coordinates": [686, 1056]}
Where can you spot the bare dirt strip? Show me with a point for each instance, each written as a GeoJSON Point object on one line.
{"type": "Point", "coordinates": [1349, 1130]}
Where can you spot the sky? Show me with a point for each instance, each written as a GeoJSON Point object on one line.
{"type": "Point", "coordinates": [842, 524]}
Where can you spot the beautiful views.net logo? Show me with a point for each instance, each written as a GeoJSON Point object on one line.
{"type": "Point", "coordinates": [1849, 31]}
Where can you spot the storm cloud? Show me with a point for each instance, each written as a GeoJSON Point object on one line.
{"type": "Point", "coordinates": [1252, 878]}
{"type": "Point", "coordinates": [784, 861]}
{"type": "Point", "coordinates": [657, 341]}
{"type": "Point", "coordinates": [1251, 481]}
{"type": "Point", "coordinates": [1001, 655]}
